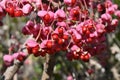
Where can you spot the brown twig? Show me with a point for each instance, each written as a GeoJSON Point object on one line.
{"type": "Point", "coordinates": [10, 71]}
{"type": "Point", "coordinates": [48, 67]}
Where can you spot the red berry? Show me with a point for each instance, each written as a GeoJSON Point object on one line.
{"type": "Point", "coordinates": [84, 29]}
{"type": "Point", "coordinates": [60, 19]}
{"type": "Point", "coordinates": [46, 31]}
{"type": "Point", "coordinates": [49, 44]}
{"type": "Point", "coordinates": [46, 18]}
{"type": "Point", "coordinates": [55, 36]}
{"type": "Point", "coordinates": [89, 40]}
{"type": "Point", "coordinates": [35, 49]}
{"type": "Point", "coordinates": [43, 53]}
{"type": "Point", "coordinates": [79, 44]}
{"type": "Point", "coordinates": [60, 41]}
{"type": "Point", "coordinates": [75, 39]}
{"type": "Point", "coordinates": [18, 13]}
{"type": "Point", "coordinates": [73, 2]}
{"type": "Point", "coordinates": [100, 7]}
{"type": "Point", "coordinates": [75, 12]}
{"type": "Point", "coordinates": [85, 57]}
{"type": "Point", "coordinates": [60, 30]}
{"type": "Point", "coordinates": [85, 12]}
{"type": "Point", "coordinates": [10, 11]}
{"type": "Point", "coordinates": [29, 49]}
{"type": "Point", "coordinates": [90, 71]}
{"type": "Point", "coordinates": [65, 37]}
{"type": "Point", "coordinates": [90, 27]}
{"type": "Point", "coordinates": [20, 58]}
{"type": "Point", "coordinates": [75, 55]}
{"type": "Point", "coordinates": [45, 6]}
{"type": "Point", "coordinates": [87, 33]}
{"type": "Point", "coordinates": [81, 56]}
{"type": "Point", "coordinates": [74, 18]}
{"type": "Point", "coordinates": [37, 54]}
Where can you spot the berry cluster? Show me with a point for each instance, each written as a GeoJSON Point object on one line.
{"type": "Point", "coordinates": [9, 59]}
{"type": "Point", "coordinates": [18, 8]}
{"type": "Point", "coordinates": [77, 27]}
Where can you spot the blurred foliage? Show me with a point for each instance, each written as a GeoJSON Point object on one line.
{"type": "Point", "coordinates": [117, 2]}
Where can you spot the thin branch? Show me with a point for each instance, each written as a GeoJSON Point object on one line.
{"type": "Point", "coordinates": [11, 70]}
{"type": "Point", "coordinates": [48, 67]}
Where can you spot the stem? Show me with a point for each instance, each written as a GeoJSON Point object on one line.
{"type": "Point", "coordinates": [85, 4]}
{"type": "Point", "coordinates": [48, 67]}
{"type": "Point", "coordinates": [10, 72]}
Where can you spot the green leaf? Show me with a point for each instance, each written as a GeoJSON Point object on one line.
{"type": "Point", "coordinates": [117, 2]}
{"type": "Point", "coordinates": [58, 67]}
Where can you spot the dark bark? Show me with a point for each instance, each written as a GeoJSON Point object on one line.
{"type": "Point", "coordinates": [48, 67]}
